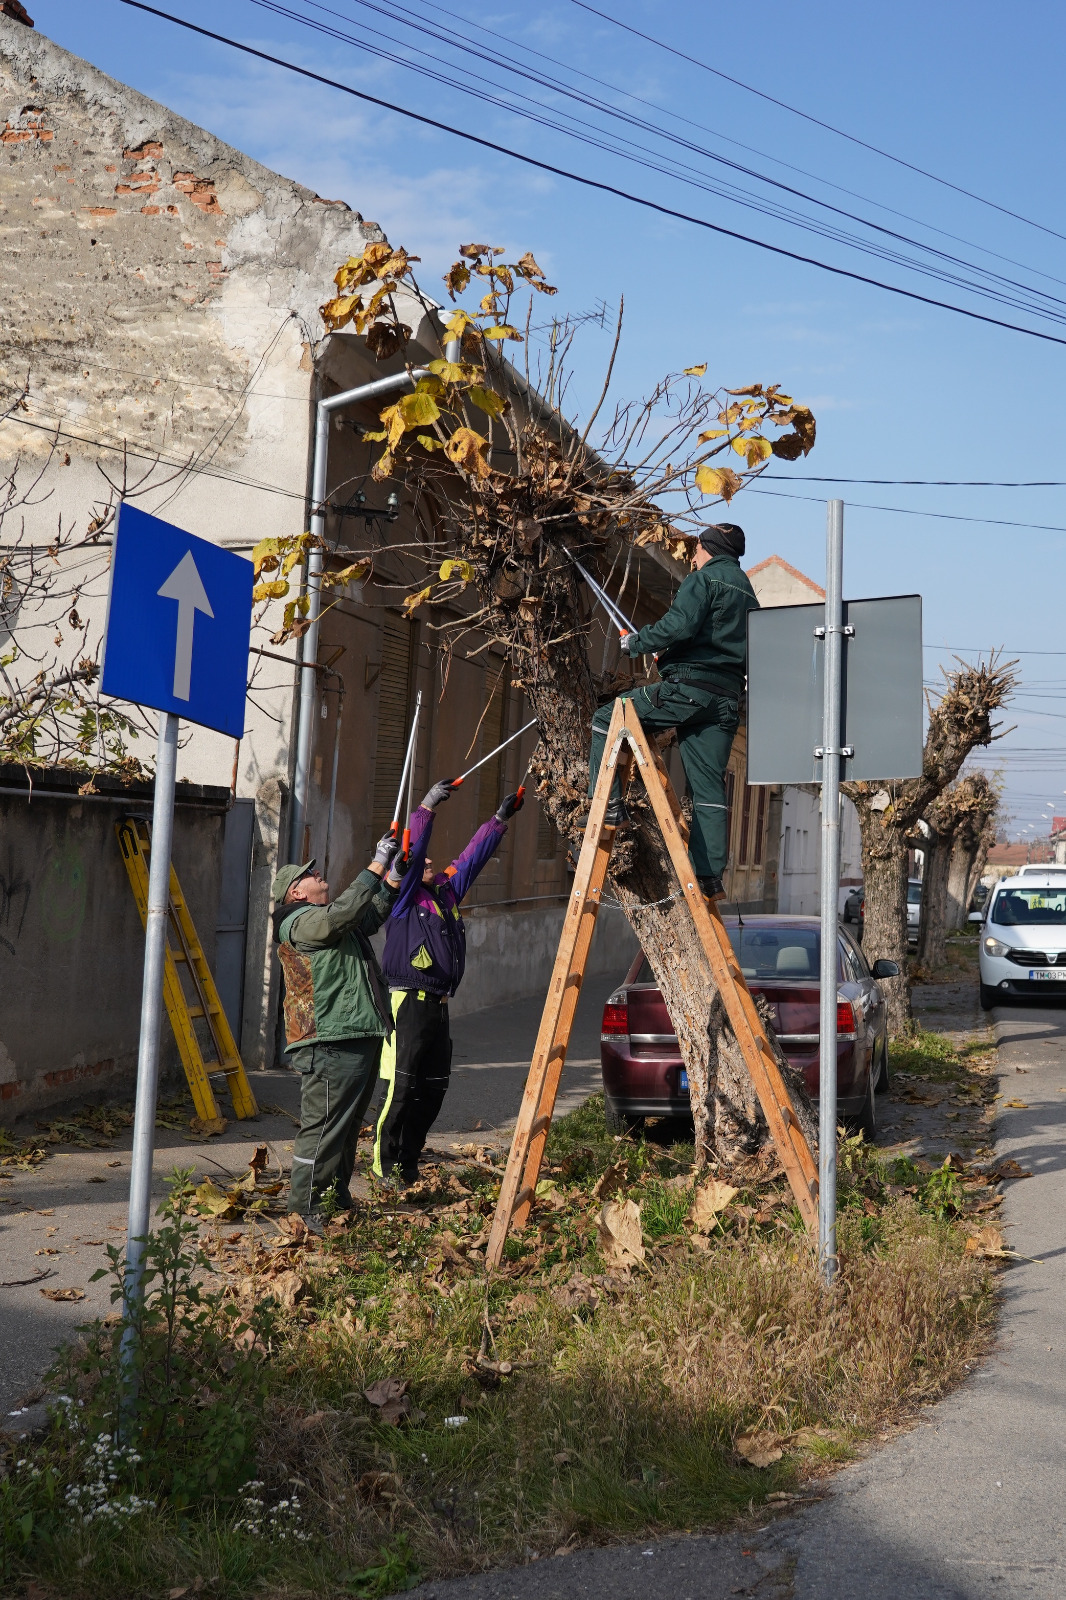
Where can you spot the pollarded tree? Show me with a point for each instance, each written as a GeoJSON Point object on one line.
{"type": "Point", "coordinates": [961, 812]}
{"type": "Point", "coordinates": [889, 812]}
{"type": "Point", "coordinates": [507, 487]}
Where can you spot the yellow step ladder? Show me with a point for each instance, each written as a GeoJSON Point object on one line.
{"type": "Point", "coordinates": [197, 1003]}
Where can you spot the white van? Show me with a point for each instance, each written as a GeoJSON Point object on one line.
{"type": "Point", "coordinates": [1022, 947]}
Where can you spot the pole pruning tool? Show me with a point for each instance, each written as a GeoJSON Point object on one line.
{"type": "Point", "coordinates": [617, 616]}
{"type": "Point", "coordinates": [502, 746]}
{"type": "Point", "coordinates": [405, 778]}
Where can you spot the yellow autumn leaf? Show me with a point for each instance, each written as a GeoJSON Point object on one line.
{"type": "Point", "coordinates": [383, 467]}
{"type": "Point", "coordinates": [457, 324]}
{"type": "Point", "coordinates": [336, 313]}
{"type": "Point", "coordinates": [757, 449]}
{"type": "Point", "coordinates": [696, 372]}
{"type": "Point", "coordinates": [270, 591]}
{"type": "Point", "coordinates": [717, 480]}
{"type": "Point", "coordinates": [419, 409]}
{"type": "Point", "coordinates": [265, 556]}
{"type": "Point", "coordinates": [450, 371]}
{"type": "Point", "coordinates": [378, 433]}
{"type": "Point", "coordinates": [501, 330]}
{"type": "Point", "coordinates": [712, 433]}
{"type": "Point", "coordinates": [465, 448]}
{"type": "Point", "coordinates": [427, 441]}
{"type": "Point", "coordinates": [414, 600]}
{"type": "Point", "coordinates": [457, 569]}
{"type": "Point", "coordinates": [488, 400]}
{"type": "Point", "coordinates": [352, 574]}
{"type": "Point", "coordinates": [740, 445]}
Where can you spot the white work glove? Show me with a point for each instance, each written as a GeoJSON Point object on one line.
{"type": "Point", "coordinates": [387, 847]}
{"type": "Point", "coordinates": [629, 645]}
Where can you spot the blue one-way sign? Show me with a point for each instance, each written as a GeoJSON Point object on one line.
{"type": "Point", "coordinates": [179, 615]}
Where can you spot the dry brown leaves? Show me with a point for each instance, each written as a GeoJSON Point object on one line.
{"type": "Point", "coordinates": [621, 1240]}
{"type": "Point", "coordinates": [708, 1203]}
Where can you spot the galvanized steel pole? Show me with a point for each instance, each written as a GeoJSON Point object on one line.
{"type": "Point", "coordinates": [155, 948]}
{"type": "Point", "coordinates": [830, 887]}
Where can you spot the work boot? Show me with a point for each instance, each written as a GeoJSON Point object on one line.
{"type": "Point", "coordinates": [616, 816]}
{"type": "Point", "coordinates": [713, 888]}
{"type": "Point", "coordinates": [409, 1176]}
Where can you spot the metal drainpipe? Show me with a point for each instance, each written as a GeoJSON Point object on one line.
{"type": "Point", "coordinates": [305, 723]}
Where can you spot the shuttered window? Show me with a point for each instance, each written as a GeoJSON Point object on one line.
{"type": "Point", "coordinates": [760, 827]}
{"type": "Point", "coordinates": [547, 837]}
{"type": "Point", "coordinates": [395, 704]}
{"type": "Point", "coordinates": [492, 726]}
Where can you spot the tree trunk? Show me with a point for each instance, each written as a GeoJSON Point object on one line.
{"type": "Point", "coordinates": [977, 867]}
{"type": "Point", "coordinates": [959, 893]}
{"type": "Point", "coordinates": [884, 936]}
{"type": "Point", "coordinates": [932, 947]}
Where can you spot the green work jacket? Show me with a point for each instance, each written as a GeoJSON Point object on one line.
{"type": "Point", "coordinates": [333, 984]}
{"type": "Point", "coordinates": [705, 631]}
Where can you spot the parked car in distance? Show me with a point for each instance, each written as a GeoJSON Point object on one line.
{"type": "Point", "coordinates": [1022, 943]}
{"type": "Point", "coordinates": [979, 897]}
{"type": "Point", "coordinates": [914, 908]}
{"type": "Point", "coordinates": [853, 905]}
{"type": "Point", "coordinates": [643, 1075]}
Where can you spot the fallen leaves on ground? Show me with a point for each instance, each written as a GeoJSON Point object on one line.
{"type": "Point", "coordinates": [759, 1449]}
{"type": "Point", "coordinates": [709, 1201]}
{"type": "Point", "coordinates": [390, 1400]}
{"type": "Point", "coordinates": [987, 1243]}
{"type": "Point", "coordinates": [63, 1294]}
{"type": "Point", "coordinates": [620, 1234]}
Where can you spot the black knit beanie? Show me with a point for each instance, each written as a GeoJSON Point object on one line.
{"type": "Point", "coordinates": [723, 539]}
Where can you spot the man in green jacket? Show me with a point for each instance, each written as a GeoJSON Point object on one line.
{"type": "Point", "coordinates": [336, 1014]}
{"type": "Point", "coordinates": [701, 644]}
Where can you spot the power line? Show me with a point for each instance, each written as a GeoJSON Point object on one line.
{"type": "Point", "coordinates": [593, 183]}
{"type": "Point", "coordinates": [920, 483]}
{"type": "Point", "coordinates": [818, 123]}
{"type": "Point", "coordinates": [908, 511]}
{"type": "Point", "coordinates": [595, 137]}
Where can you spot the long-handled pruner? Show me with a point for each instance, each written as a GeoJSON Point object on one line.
{"type": "Point", "coordinates": [406, 779]}
{"type": "Point", "coordinates": [509, 740]}
{"type": "Point", "coordinates": [617, 616]}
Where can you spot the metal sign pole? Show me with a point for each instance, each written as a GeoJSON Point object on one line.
{"type": "Point", "coordinates": [830, 753]}
{"type": "Point", "coordinates": [155, 945]}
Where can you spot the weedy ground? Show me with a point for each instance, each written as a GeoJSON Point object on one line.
{"type": "Point", "coordinates": [344, 1415]}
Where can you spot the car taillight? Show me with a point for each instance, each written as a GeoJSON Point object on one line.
{"type": "Point", "coordinates": [615, 1019]}
{"type": "Point", "coordinates": [845, 1017]}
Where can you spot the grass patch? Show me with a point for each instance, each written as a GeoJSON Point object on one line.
{"type": "Point", "coordinates": [598, 1401]}
{"type": "Point", "coordinates": [936, 1058]}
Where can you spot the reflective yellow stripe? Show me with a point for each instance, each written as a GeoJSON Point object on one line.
{"type": "Point", "coordinates": [387, 1070]}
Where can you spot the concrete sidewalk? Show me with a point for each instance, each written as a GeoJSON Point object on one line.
{"type": "Point", "coordinates": [966, 1506]}
{"type": "Point", "coordinates": [75, 1202]}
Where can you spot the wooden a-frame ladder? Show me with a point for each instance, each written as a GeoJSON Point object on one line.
{"type": "Point", "coordinates": [627, 744]}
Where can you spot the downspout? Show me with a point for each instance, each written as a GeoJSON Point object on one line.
{"type": "Point", "coordinates": [305, 722]}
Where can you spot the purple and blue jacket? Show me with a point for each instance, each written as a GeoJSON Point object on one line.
{"type": "Point", "coordinates": [425, 939]}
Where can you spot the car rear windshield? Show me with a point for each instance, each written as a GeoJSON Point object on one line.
{"type": "Point", "coordinates": [775, 953]}
{"type": "Point", "coordinates": [914, 894]}
{"type": "Point", "coordinates": [1032, 908]}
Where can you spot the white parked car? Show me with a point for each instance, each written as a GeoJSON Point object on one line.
{"type": "Point", "coordinates": [1023, 937]}
{"type": "Point", "coordinates": [914, 908]}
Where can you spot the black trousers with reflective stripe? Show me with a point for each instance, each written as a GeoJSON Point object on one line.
{"type": "Point", "coordinates": [416, 1064]}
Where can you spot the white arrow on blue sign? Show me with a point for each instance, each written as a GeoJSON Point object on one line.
{"type": "Point", "coordinates": [179, 615]}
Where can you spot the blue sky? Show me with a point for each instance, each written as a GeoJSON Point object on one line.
{"type": "Point", "coordinates": [900, 390]}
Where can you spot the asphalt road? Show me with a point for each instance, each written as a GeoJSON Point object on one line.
{"type": "Point", "coordinates": [968, 1505]}
{"type": "Point", "coordinates": [58, 1217]}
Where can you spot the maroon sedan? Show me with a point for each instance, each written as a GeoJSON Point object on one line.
{"type": "Point", "coordinates": [780, 958]}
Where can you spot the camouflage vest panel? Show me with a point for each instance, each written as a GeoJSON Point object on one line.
{"type": "Point", "coordinates": [299, 995]}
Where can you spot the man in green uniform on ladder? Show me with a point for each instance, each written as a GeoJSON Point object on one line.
{"type": "Point", "coordinates": [701, 644]}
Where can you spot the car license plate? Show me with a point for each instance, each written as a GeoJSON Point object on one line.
{"type": "Point", "coordinates": [1042, 975]}
{"type": "Point", "coordinates": [682, 1081]}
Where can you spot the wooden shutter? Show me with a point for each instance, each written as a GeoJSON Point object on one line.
{"type": "Point", "coordinates": [394, 716]}
{"type": "Point", "coordinates": [547, 837]}
{"type": "Point", "coordinates": [492, 727]}
{"type": "Point", "coordinates": [745, 826]}
{"type": "Point", "coordinates": [760, 827]}
{"type": "Point", "coordinates": [730, 788]}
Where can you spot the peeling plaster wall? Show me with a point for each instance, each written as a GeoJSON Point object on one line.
{"type": "Point", "coordinates": [160, 290]}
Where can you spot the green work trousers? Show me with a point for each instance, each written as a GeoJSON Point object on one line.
{"type": "Point", "coordinates": [705, 723]}
{"type": "Point", "coordinates": [337, 1082]}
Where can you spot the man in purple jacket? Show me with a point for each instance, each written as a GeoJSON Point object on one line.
{"type": "Point", "coordinates": [424, 961]}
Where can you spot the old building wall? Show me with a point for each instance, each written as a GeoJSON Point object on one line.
{"type": "Point", "coordinates": [71, 941]}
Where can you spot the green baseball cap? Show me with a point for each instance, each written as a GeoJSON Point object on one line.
{"type": "Point", "coordinates": [285, 879]}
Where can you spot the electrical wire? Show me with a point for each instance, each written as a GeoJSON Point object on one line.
{"type": "Point", "coordinates": [908, 511]}
{"type": "Point", "coordinates": [817, 121]}
{"type": "Point", "coordinates": [593, 183]}
{"type": "Point", "coordinates": [920, 483]}
{"type": "Point", "coordinates": [660, 111]}
{"type": "Point", "coordinates": [1037, 302]}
